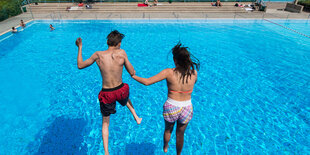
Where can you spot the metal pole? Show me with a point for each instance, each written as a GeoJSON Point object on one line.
{"type": "Point", "coordinates": [295, 2]}
{"type": "Point", "coordinates": [287, 16]}
{"type": "Point", "coordinates": [30, 9]}
{"type": "Point", "coordinates": [263, 16]}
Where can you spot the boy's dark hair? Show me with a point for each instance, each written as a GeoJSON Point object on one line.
{"type": "Point", "coordinates": [114, 38]}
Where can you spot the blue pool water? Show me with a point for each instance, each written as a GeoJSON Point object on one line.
{"type": "Point", "coordinates": [252, 94]}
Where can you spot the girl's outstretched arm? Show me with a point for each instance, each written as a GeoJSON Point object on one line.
{"type": "Point", "coordinates": [148, 81]}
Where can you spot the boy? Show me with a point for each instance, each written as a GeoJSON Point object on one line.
{"type": "Point", "coordinates": [110, 63]}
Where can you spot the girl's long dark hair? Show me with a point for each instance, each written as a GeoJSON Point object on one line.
{"type": "Point", "coordinates": [183, 62]}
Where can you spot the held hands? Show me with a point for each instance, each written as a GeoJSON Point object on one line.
{"type": "Point", "coordinates": [78, 42]}
{"type": "Point", "coordinates": [134, 74]}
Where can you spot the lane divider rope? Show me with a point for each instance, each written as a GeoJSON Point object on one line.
{"type": "Point", "coordinates": [287, 28]}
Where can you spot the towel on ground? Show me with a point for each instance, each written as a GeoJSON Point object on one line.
{"type": "Point", "coordinates": [142, 5]}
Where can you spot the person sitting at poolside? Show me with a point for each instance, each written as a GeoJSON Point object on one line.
{"type": "Point", "coordinates": [87, 6]}
{"type": "Point", "coordinates": [180, 81]}
{"type": "Point", "coordinates": [146, 2]}
{"type": "Point", "coordinates": [68, 8]}
{"type": "Point", "coordinates": [110, 63]}
{"type": "Point", "coordinates": [14, 30]}
{"type": "Point", "coordinates": [22, 24]}
{"type": "Point", "coordinates": [51, 27]}
{"type": "Point", "coordinates": [218, 3]}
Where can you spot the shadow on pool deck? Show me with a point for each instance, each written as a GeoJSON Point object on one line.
{"type": "Point", "coordinates": [63, 136]}
{"type": "Point", "coordinates": [142, 149]}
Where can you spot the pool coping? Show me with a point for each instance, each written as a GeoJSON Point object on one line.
{"type": "Point", "coordinates": [275, 11]}
{"type": "Point", "coordinates": [181, 20]}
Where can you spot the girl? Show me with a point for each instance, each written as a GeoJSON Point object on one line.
{"type": "Point", "coordinates": [180, 81]}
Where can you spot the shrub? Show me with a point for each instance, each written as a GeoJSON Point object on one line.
{"type": "Point", "coordinates": [9, 8]}
{"type": "Point", "coordinates": [306, 4]}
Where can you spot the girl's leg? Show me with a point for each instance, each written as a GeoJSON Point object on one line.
{"type": "Point", "coordinates": [180, 136]}
{"type": "Point", "coordinates": [167, 134]}
{"type": "Point", "coordinates": [133, 112]}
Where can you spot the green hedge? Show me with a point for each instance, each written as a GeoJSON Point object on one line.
{"type": "Point", "coordinates": [306, 4]}
{"type": "Point", "coordinates": [9, 8]}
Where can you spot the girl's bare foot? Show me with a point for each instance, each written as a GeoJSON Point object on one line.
{"type": "Point", "coordinates": [166, 148]}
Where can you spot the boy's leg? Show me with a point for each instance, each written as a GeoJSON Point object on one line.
{"type": "Point", "coordinates": [180, 136]}
{"type": "Point", "coordinates": [132, 110]}
{"type": "Point", "coordinates": [167, 134]}
{"type": "Point", "coordinates": [105, 133]}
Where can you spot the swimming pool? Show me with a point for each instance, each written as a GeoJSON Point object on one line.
{"type": "Point", "coordinates": [252, 94]}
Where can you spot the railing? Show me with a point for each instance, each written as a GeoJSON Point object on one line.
{"type": "Point", "coordinates": [205, 16]}
{"type": "Point", "coordinates": [59, 16]}
{"type": "Point", "coordinates": [175, 15]}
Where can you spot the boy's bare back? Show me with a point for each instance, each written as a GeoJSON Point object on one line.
{"type": "Point", "coordinates": [110, 63]}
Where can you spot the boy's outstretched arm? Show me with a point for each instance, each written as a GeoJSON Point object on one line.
{"type": "Point", "coordinates": [148, 81]}
{"type": "Point", "coordinates": [83, 64]}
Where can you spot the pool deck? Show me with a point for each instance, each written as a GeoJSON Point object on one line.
{"type": "Point", "coordinates": [275, 10]}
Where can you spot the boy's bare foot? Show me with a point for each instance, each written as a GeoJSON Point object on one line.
{"type": "Point", "coordinates": [166, 148]}
{"type": "Point", "coordinates": [139, 120]}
